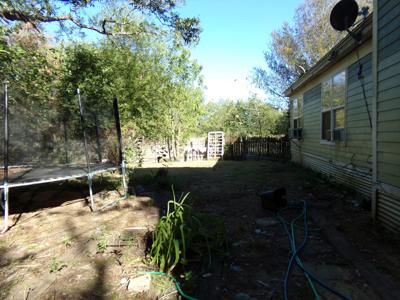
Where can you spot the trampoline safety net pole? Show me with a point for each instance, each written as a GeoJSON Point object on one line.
{"type": "Point", "coordinates": [5, 176]}
{"type": "Point", "coordinates": [85, 143]}
{"type": "Point", "coordinates": [120, 149]}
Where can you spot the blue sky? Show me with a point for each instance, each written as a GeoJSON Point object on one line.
{"type": "Point", "coordinates": [235, 35]}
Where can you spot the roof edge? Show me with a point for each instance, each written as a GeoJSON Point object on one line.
{"type": "Point", "coordinates": [340, 50]}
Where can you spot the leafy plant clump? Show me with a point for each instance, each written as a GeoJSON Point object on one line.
{"type": "Point", "coordinates": [183, 236]}
{"type": "Point", "coordinates": [56, 265]}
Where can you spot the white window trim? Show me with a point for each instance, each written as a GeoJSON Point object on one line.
{"type": "Point", "coordinates": [331, 109]}
{"type": "Point", "coordinates": [299, 113]}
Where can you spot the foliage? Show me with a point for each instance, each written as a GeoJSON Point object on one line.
{"type": "Point", "coordinates": [297, 46]}
{"type": "Point", "coordinates": [133, 151]}
{"type": "Point", "coordinates": [182, 236]}
{"type": "Point", "coordinates": [56, 265]}
{"type": "Point", "coordinates": [243, 118]}
{"type": "Point", "coordinates": [77, 14]}
{"type": "Point", "coordinates": [157, 83]}
{"type": "Point", "coordinates": [27, 63]}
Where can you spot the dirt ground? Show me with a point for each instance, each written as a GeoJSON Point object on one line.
{"type": "Point", "coordinates": [57, 248]}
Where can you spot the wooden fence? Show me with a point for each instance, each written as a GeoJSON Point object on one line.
{"type": "Point", "coordinates": [256, 148]}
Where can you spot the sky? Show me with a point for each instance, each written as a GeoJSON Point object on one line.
{"type": "Point", "coordinates": [235, 35]}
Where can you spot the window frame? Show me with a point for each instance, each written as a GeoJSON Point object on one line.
{"type": "Point", "coordinates": [332, 109]}
{"type": "Point", "coordinates": [299, 116]}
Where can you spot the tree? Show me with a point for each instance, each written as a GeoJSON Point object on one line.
{"type": "Point", "coordinates": [158, 84]}
{"type": "Point", "coordinates": [27, 63]}
{"type": "Point", "coordinates": [243, 118]}
{"type": "Point", "coordinates": [77, 14]}
{"type": "Point", "coordinates": [296, 48]}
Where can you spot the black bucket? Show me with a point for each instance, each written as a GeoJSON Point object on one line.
{"type": "Point", "coordinates": [273, 200]}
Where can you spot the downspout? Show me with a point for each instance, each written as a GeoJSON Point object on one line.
{"type": "Point", "coordinates": [374, 198]}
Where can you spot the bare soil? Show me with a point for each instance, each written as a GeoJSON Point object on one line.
{"type": "Point", "coordinates": [57, 248]}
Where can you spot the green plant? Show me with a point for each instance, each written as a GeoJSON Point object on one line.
{"type": "Point", "coordinates": [182, 236]}
{"type": "Point", "coordinates": [128, 239]}
{"type": "Point", "coordinates": [56, 265]}
{"type": "Point", "coordinates": [101, 237]}
{"type": "Point", "coordinates": [102, 245]}
{"type": "Point", "coordinates": [68, 240]}
{"type": "Point", "coordinates": [33, 247]}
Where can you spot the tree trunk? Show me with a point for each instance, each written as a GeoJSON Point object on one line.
{"type": "Point", "coordinates": [176, 144]}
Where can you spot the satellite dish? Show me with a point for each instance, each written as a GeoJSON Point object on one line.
{"type": "Point", "coordinates": [344, 14]}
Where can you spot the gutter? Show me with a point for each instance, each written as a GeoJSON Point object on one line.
{"type": "Point", "coordinates": [340, 50]}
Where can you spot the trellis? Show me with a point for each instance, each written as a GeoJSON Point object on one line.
{"type": "Point", "coordinates": [215, 145]}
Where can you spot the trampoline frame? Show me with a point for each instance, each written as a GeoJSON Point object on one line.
{"type": "Point", "coordinates": [6, 186]}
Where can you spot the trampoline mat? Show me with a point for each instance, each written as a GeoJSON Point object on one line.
{"type": "Point", "coordinates": [25, 174]}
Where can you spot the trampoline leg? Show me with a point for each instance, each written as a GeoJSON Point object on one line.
{"type": "Point", "coordinates": [5, 207]}
{"type": "Point", "coordinates": [123, 174]}
{"type": "Point", "coordinates": [91, 192]}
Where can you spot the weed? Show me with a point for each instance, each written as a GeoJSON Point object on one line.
{"type": "Point", "coordinates": [188, 276]}
{"type": "Point", "coordinates": [101, 237]}
{"type": "Point", "coordinates": [162, 285]}
{"type": "Point", "coordinates": [130, 259]}
{"type": "Point", "coordinates": [33, 247]}
{"type": "Point", "coordinates": [128, 239]}
{"type": "Point", "coordinates": [56, 265]}
{"type": "Point", "coordinates": [102, 245]}
{"type": "Point", "coordinates": [7, 285]}
{"type": "Point", "coordinates": [181, 236]}
{"type": "Point", "coordinates": [67, 240]}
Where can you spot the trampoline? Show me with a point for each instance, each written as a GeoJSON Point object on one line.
{"type": "Point", "coordinates": [55, 139]}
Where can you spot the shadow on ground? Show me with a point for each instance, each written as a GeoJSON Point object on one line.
{"type": "Point", "coordinates": [102, 250]}
{"type": "Point", "coordinates": [259, 251]}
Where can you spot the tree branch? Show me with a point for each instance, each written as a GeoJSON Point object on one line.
{"type": "Point", "coordinates": [14, 15]}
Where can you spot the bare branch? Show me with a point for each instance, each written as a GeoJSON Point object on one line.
{"type": "Point", "coordinates": [14, 15]}
{"type": "Point", "coordinates": [163, 10]}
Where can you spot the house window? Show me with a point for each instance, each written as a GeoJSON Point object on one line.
{"type": "Point", "coordinates": [333, 101]}
{"type": "Point", "coordinates": [297, 113]}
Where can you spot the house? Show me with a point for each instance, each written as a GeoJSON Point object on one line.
{"type": "Point", "coordinates": [345, 113]}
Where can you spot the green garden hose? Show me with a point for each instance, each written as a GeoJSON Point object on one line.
{"type": "Point", "coordinates": [297, 251]}
{"type": "Point", "coordinates": [177, 284]}
{"type": "Point", "coordinates": [292, 240]}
